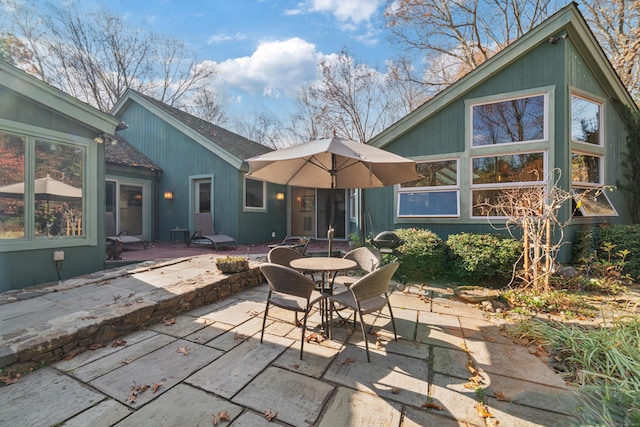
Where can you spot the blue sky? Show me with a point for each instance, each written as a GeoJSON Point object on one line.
{"type": "Point", "coordinates": [265, 49]}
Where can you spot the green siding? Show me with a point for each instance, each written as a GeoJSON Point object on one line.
{"type": "Point", "coordinates": [557, 68]}
{"type": "Point", "coordinates": [180, 158]}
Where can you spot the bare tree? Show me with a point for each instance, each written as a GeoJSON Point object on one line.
{"type": "Point", "coordinates": [616, 25]}
{"type": "Point", "coordinates": [95, 56]}
{"type": "Point", "coordinates": [208, 105]}
{"type": "Point", "coordinates": [264, 128]}
{"type": "Point", "coordinates": [348, 100]}
{"type": "Point", "coordinates": [456, 36]}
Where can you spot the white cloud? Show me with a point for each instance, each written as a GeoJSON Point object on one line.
{"type": "Point", "coordinates": [355, 11]}
{"type": "Point", "coordinates": [221, 38]}
{"type": "Point", "coordinates": [275, 68]}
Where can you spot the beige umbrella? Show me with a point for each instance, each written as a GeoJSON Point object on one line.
{"type": "Point", "coordinates": [45, 188]}
{"type": "Point", "coordinates": [333, 163]}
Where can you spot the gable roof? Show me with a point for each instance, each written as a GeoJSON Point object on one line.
{"type": "Point", "coordinates": [568, 19]}
{"type": "Point", "coordinates": [231, 147]}
{"type": "Point", "coordinates": [50, 97]}
{"type": "Point", "coordinates": [118, 151]}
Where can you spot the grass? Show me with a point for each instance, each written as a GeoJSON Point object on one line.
{"type": "Point", "coordinates": [604, 362]}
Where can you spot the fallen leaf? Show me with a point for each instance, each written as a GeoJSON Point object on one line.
{"type": "Point", "coordinates": [183, 350]}
{"type": "Point", "coordinates": [119, 343]}
{"type": "Point", "coordinates": [169, 322]}
{"type": "Point", "coordinates": [314, 337]}
{"type": "Point", "coordinates": [432, 406]}
{"type": "Point", "coordinates": [482, 410]}
{"type": "Point", "coordinates": [97, 346]}
{"type": "Point", "coordinates": [378, 344]}
{"type": "Point", "coordinates": [70, 356]}
{"type": "Point", "coordinates": [500, 396]}
{"type": "Point", "coordinates": [135, 391]}
{"type": "Point", "coordinates": [395, 390]}
{"type": "Point", "coordinates": [270, 415]}
{"type": "Point", "coordinates": [252, 313]}
{"type": "Point", "coordinates": [224, 416]}
{"type": "Point", "coordinates": [155, 387]}
{"type": "Point", "coordinates": [238, 337]}
{"type": "Point", "coordinates": [348, 360]}
{"type": "Point", "coordinates": [126, 361]}
{"type": "Point", "coordinates": [296, 366]}
{"type": "Point", "coordinates": [7, 380]}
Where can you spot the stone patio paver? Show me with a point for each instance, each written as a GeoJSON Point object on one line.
{"type": "Point", "coordinates": [358, 409]}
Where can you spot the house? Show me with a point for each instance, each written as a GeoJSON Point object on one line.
{"type": "Point", "coordinates": [51, 182]}
{"type": "Point", "coordinates": [549, 100]}
{"type": "Point", "coordinates": [203, 170]}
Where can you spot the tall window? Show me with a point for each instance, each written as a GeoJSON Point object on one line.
{"type": "Point", "coordinates": [436, 194]}
{"type": "Point", "coordinates": [587, 159]}
{"type": "Point", "coordinates": [254, 192]}
{"type": "Point", "coordinates": [52, 200]}
{"type": "Point", "coordinates": [509, 121]}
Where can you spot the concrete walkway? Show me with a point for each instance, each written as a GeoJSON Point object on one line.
{"type": "Point", "coordinates": [208, 366]}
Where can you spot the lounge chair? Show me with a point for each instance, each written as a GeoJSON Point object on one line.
{"type": "Point", "coordinates": [203, 224]}
{"type": "Point", "coordinates": [123, 236]}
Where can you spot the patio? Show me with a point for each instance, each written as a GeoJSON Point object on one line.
{"type": "Point", "coordinates": [208, 362]}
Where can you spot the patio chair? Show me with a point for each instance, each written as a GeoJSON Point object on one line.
{"type": "Point", "coordinates": [204, 230]}
{"type": "Point", "coordinates": [290, 290]}
{"type": "Point", "coordinates": [368, 295]}
{"type": "Point", "coordinates": [298, 243]}
{"type": "Point", "coordinates": [123, 236]}
{"type": "Point", "coordinates": [367, 260]}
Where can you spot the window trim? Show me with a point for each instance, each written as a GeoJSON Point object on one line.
{"type": "Point", "coordinates": [494, 99]}
{"type": "Point", "coordinates": [431, 189]}
{"type": "Point", "coordinates": [246, 208]}
{"type": "Point", "coordinates": [89, 181]}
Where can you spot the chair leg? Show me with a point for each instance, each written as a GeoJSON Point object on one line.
{"type": "Point", "coordinates": [264, 319]}
{"type": "Point", "coordinates": [304, 329]}
{"type": "Point", "coordinates": [393, 321]}
{"type": "Point", "coordinates": [364, 335]}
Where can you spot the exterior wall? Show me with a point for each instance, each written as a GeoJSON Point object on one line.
{"type": "Point", "coordinates": [23, 268]}
{"type": "Point", "coordinates": [182, 158]}
{"type": "Point", "coordinates": [555, 68]}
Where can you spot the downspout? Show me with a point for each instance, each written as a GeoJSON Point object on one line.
{"type": "Point", "coordinates": [156, 207]}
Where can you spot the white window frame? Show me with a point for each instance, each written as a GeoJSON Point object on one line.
{"type": "Point", "coordinates": [430, 190]}
{"type": "Point", "coordinates": [502, 186]}
{"type": "Point", "coordinates": [600, 104]}
{"type": "Point", "coordinates": [89, 182]}
{"type": "Point", "coordinates": [246, 208]}
{"type": "Point", "coordinates": [503, 98]}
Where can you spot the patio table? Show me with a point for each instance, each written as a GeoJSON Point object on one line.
{"type": "Point", "coordinates": [329, 266]}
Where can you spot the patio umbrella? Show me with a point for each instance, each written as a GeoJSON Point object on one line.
{"type": "Point", "coordinates": [333, 163]}
{"type": "Point", "coordinates": [45, 188]}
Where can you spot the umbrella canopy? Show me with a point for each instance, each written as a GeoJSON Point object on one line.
{"type": "Point", "coordinates": [332, 163]}
{"type": "Point", "coordinates": [46, 188]}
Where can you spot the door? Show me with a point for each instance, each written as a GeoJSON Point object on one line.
{"type": "Point", "coordinates": [202, 195]}
{"type": "Point", "coordinates": [332, 209]}
{"type": "Point", "coordinates": [128, 200]}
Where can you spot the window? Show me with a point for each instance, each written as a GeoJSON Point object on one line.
{"type": "Point", "coordinates": [254, 192]}
{"type": "Point", "coordinates": [509, 121]}
{"type": "Point", "coordinates": [501, 180]}
{"type": "Point", "coordinates": [352, 204]}
{"type": "Point", "coordinates": [585, 121]}
{"type": "Point", "coordinates": [585, 168]}
{"type": "Point", "coordinates": [52, 200]}
{"type": "Point", "coordinates": [592, 202]}
{"type": "Point", "coordinates": [436, 194]}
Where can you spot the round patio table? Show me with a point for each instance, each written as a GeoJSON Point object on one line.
{"type": "Point", "coordinates": [326, 265]}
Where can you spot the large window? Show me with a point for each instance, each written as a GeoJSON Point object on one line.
{"type": "Point", "coordinates": [254, 192]}
{"type": "Point", "coordinates": [509, 121]}
{"type": "Point", "coordinates": [45, 190]}
{"type": "Point", "coordinates": [585, 121]}
{"type": "Point", "coordinates": [496, 179]}
{"type": "Point", "coordinates": [436, 194]}
{"type": "Point", "coordinates": [587, 159]}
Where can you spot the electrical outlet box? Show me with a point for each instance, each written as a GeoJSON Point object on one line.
{"type": "Point", "coordinates": [273, 234]}
{"type": "Point", "coordinates": [58, 255]}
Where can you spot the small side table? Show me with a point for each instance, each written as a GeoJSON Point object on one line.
{"type": "Point", "coordinates": [174, 231]}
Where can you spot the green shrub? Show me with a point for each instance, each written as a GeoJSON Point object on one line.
{"type": "Point", "coordinates": [624, 237]}
{"type": "Point", "coordinates": [483, 259]}
{"type": "Point", "coordinates": [423, 254]}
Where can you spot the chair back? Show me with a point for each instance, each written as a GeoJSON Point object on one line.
{"type": "Point", "coordinates": [288, 281]}
{"type": "Point", "coordinates": [374, 284]}
{"type": "Point", "coordinates": [283, 255]}
{"type": "Point", "coordinates": [110, 224]}
{"type": "Point", "coordinates": [368, 259]}
{"type": "Point", "coordinates": [203, 223]}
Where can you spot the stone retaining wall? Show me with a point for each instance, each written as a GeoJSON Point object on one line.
{"type": "Point", "coordinates": [82, 331]}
